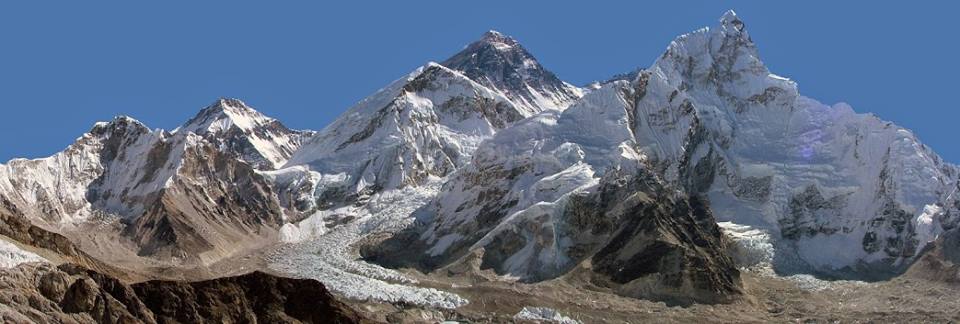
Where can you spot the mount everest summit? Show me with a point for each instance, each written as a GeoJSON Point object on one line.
{"type": "Point", "coordinates": [489, 163]}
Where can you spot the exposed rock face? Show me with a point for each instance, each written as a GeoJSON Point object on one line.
{"type": "Point", "coordinates": [43, 293]}
{"type": "Point", "coordinates": [669, 249]}
{"type": "Point", "coordinates": [499, 62]}
{"type": "Point", "coordinates": [251, 298]}
{"type": "Point", "coordinates": [214, 202]}
{"type": "Point", "coordinates": [646, 241]}
{"type": "Point", "coordinates": [940, 261]}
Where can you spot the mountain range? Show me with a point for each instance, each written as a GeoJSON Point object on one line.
{"type": "Point", "coordinates": [490, 167]}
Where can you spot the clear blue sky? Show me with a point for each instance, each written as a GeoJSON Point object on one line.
{"type": "Point", "coordinates": [64, 66]}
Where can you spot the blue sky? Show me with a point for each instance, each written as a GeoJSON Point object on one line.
{"type": "Point", "coordinates": [64, 66]}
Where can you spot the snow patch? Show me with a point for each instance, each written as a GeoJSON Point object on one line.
{"type": "Point", "coordinates": [12, 255]}
{"type": "Point", "coordinates": [927, 228]}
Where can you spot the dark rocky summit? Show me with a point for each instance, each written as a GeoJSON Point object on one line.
{"type": "Point", "coordinates": [500, 62]}
{"type": "Point", "coordinates": [669, 249]}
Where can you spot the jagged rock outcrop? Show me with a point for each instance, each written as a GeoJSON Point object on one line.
{"type": "Point", "coordinates": [43, 293]}
{"type": "Point", "coordinates": [255, 297]}
{"type": "Point", "coordinates": [667, 246]}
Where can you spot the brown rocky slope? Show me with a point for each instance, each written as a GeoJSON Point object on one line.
{"type": "Point", "coordinates": [44, 293]}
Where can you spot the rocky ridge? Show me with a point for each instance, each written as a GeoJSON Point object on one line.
{"type": "Point", "coordinates": [43, 293]}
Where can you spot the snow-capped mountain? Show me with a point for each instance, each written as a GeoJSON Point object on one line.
{"type": "Point", "coordinates": [233, 126]}
{"type": "Point", "coordinates": [499, 62]}
{"type": "Point", "coordinates": [425, 125]}
{"type": "Point", "coordinates": [818, 175]}
{"type": "Point", "coordinates": [168, 191]}
{"type": "Point", "coordinates": [213, 205]}
{"type": "Point", "coordinates": [844, 192]}
{"type": "Point", "coordinates": [55, 189]}
{"type": "Point", "coordinates": [171, 189]}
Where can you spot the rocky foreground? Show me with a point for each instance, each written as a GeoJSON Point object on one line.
{"type": "Point", "coordinates": [44, 293]}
